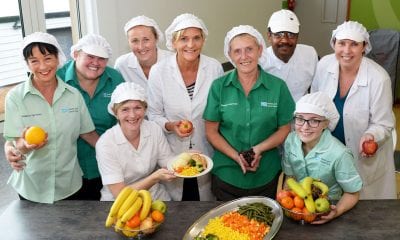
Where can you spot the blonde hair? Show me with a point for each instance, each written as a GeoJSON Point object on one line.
{"type": "Point", "coordinates": [176, 35]}
{"type": "Point", "coordinates": [118, 105]}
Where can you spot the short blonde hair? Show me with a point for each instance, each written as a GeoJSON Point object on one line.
{"type": "Point", "coordinates": [118, 105]}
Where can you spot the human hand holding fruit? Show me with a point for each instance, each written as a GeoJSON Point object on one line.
{"type": "Point", "coordinates": [182, 128]}
{"type": "Point", "coordinates": [33, 138]}
{"type": "Point", "coordinates": [368, 146]}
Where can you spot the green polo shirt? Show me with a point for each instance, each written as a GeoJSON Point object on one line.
{"type": "Point", "coordinates": [97, 106]}
{"type": "Point", "coordinates": [329, 160]}
{"type": "Point", "coordinates": [52, 172]}
{"type": "Point", "coordinates": [247, 121]}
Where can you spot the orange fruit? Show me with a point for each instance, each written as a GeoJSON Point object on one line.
{"type": "Point", "coordinates": [287, 202]}
{"type": "Point", "coordinates": [157, 216]}
{"type": "Point", "coordinates": [134, 221]}
{"type": "Point", "coordinates": [307, 216]}
{"type": "Point", "coordinates": [35, 135]}
{"type": "Point", "coordinates": [296, 213]}
{"type": "Point", "coordinates": [298, 202]}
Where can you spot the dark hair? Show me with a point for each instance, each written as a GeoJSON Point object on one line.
{"type": "Point", "coordinates": [43, 48]}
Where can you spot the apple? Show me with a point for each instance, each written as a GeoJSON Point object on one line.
{"type": "Point", "coordinates": [369, 147]}
{"type": "Point", "coordinates": [322, 205]}
{"type": "Point", "coordinates": [185, 126]}
{"type": "Point", "coordinates": [159, 205]}
{"type": "Point", "coordinates": [281, 194]}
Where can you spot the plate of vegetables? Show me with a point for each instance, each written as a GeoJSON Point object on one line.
{"type": "Point", "coordinates": [243, 218]}
{"type": "Point", "coordinates": [190, 165]}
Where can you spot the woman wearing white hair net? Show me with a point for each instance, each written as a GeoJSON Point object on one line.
{"type": "Point", "coordinates": [143, 35]}
{"type": "Point", "coordinates": [132, 152]}
{"type": "Point", "coordinates": [52, 171]}
{"type": "Point", "coordinates": [248, 116]}
{"type": "Point", "coordinates": [89, 73]}
{"type": "Point", "coordinates": [361, 91]}
{"type": "Point", "coordinates": [178, 88]}
{"type": "Point", "coordinates": [311, 150]}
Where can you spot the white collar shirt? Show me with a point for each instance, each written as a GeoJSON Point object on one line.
{"type": "Point", "coordinates": [120, 162]}
{"type": "Point", "coordinates": [129, 67]}
{"type": "Point", "coordinates": [298, 72]}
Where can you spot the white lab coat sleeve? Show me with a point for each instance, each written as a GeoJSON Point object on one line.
{"type": "Point", "coordinates": [381, 118]}
{"type": "Point", "coordinates": [155, 97]}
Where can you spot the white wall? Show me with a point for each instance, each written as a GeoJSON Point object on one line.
{"type": "Point", "coordinates": [313, 30]}
{"type": "Point", "coordinates": [107, 18]}
{"type": "Point", "coordinates": [219, 16]}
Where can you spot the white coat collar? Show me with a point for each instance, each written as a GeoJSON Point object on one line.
{"type": "Point", "coordinates": [121, 139]}
{"type": "Point", "coordinates": [133, 62]}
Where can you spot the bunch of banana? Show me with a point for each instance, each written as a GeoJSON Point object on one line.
{"type": "Point", "coordinates": [304, 189]}
{"type": "Point", "coordinates": [128, 203]}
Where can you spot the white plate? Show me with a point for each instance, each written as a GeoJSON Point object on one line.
{"type": "Point", "coordinates": [201, 223]}
{"type": "Point", "coordinates": [208, 169]}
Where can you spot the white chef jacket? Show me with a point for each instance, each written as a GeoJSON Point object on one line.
{"type": "Point", "coordinates": [298, 72]}
{"type": "Point", "coordinates": [129, 66]}
{"type": "Point", "coordinates": [368, 109]}
{"type": "Point", "coordinates": [119, 161]}
{"type": "Point", "coordinates": [168, 100]}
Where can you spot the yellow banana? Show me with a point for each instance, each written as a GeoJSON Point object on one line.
{"type": "Point", "coordinates": [131, 211]}
{"type": "Point", "coordinates": [309, 202]}
{"type": "Point", "coordinates": [296, 187]}
{"type": "Point", "coordinates": [128, 202]}
{"type": "Point", "coordinates": [322, 186]}
{"type": "Point", "coordinates": [306, 184]}
{"type": "Point", "coordinates": [146, 196]}
{"type": "Point", "coordinates": [125, 192]}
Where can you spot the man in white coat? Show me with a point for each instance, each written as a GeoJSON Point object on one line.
{"type": "Point", "coordinates": [285, 58]}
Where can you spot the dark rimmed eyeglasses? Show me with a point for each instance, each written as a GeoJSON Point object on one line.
{"type": "Point", "coordinates": [314, 123]}
{"type": "Point", "coordinates": [280, 35]}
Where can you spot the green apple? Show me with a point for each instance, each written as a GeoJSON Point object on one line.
{"type": "Point", "coordinates": [159, 205]}
{"type": "Point", "coordinates": [322, 205]}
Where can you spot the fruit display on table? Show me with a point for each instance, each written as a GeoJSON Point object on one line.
{"type": "Point", "coordinates": [134, 213]}
{"type": "Point", "coordinates": [304, 201]}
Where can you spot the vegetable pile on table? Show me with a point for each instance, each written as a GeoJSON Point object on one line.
{"type": "Point", "coordinates": [250, 222]}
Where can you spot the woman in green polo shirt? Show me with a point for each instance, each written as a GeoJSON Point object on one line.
{"type": "Point", "coordinates": [247, 109]}
{"type": "Point", "coordinates": [52, 170]}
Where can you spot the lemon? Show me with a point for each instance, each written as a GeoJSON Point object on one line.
{"type": "Point", "coordinates": [35, 135]}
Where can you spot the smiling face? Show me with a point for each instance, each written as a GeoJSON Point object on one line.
{"type": "Point", "coordinates": [143, 42]}
{"type": "Point", "coordinates": [349, 53]}
{"type": "Point", "coordinates": [245, 51]}
{"type": "Point", "coordinates": [283, 44]}
{"type": "Point", "coordinates": [188, 44]}
{"type": "Point", "coordinates": [42, 65]}
{"type": "Point", "coordinates": [89, 67]}
{"type": "Point", "coordinates": [130, 115]}
{"type": "Point", "coordinates": [307, 134]}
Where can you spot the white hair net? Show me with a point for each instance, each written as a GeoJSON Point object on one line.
{"type": "Point", "coordinates": [240, 30]}
{"type": "Point", "coordinates": [284, 21]}
{"type": "Point", "coordinates": [42, 37]}
{"type": "Point", "coordinates": [93, 44]}
{"type": "Point", "coordinates": [126, 91]}
{"type": "Point", "coordinates": [354, 31]}
{"type": "Point", "coordinates": [144, 21]}
{"type": "Point", "coordinates": [183, 21]}
{"type": "Point", "coordinates": [321, 104]}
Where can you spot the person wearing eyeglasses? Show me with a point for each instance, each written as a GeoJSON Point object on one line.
{"type": "Point", "coordinates": [285, 58]}
{"type": "Point", "coordinates": [361, 90]}
{"type": "Point", "coordinates": [311, 150]}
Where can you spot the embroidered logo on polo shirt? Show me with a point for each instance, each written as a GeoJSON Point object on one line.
{"type": "Point", "coordinates": [269, 104]}
{"type": "Point", "coordinates": [69, 109]}
{"type": "Point", "coordinates": [31, 115]}
{"type": "Point", "coordinates": [107, 95]}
